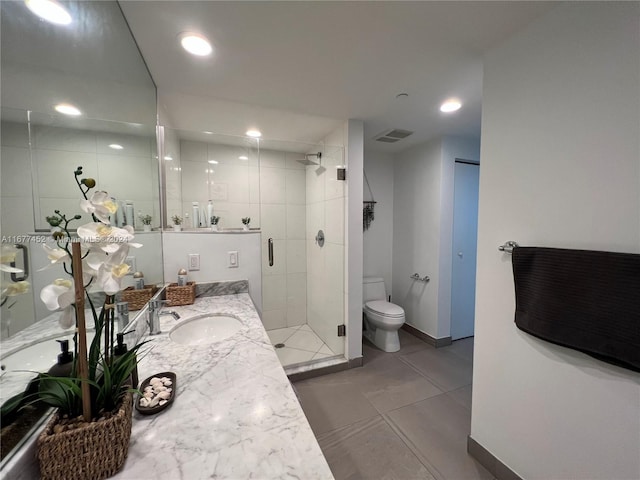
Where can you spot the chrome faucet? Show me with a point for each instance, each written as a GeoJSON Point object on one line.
{"type": "Point", "coordinates": [155, 311]}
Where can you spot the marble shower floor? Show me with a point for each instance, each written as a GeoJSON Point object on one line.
{"type": "Point", "coordinates": [301, 345]}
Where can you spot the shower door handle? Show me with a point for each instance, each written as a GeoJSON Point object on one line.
{"type": "Point", "coordinates": [270, 243]}
{"type": "Point", "coordinates": [25, 264]}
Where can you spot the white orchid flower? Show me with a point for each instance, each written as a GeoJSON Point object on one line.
{"type": "Point", "coordinates": [110, 268]}
{"type": "Point", "coordinates": [60, 295]}
{"type": "Point", "coordinates": [55, 256]}
{"type": "Point", "coordinates": [8, 255]}
{"type": "Point", "coordinates": [105, 237]}
{"type": "Point", "coordinates": [15, 288]}
{"type": "Point", "coordinates": [100, 205]}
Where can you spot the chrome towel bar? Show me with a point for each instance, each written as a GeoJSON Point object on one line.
{"type": "Point", "coordinates": [508, 246]}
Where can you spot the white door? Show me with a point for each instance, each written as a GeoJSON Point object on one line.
{"type": "Point", "coordinates": [465, 232]}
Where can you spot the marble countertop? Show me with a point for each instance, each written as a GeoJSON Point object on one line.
{"type": "Point", "coordinates": [46, 330]}
{"type": "Point", "coordinates": [235, 414]}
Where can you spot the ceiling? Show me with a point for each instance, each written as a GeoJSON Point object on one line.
{"type": "Point", "coordinates": [323, 62]}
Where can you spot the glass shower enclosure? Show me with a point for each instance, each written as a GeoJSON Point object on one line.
{"type": "Point", "coordinates": [293, 195]}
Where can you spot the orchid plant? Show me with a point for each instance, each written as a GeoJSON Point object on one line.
{"type": "Point", "coordinates": [104, 249]}
{"type": "Point", "coordinates": [10, 289]}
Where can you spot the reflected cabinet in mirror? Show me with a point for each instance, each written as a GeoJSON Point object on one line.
{"type": "Point", "coordinates": [74, 94]}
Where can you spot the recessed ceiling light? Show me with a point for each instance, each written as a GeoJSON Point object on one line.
{"type": "Point", "coordinates": [213, 162]}
{"type": "Point", "coordinates": [115, 146]}
{"type": "Point", "coordinates": [168, 158]}
{"type": "Point", "coordinates": [67, 109]}
{"type": "Point", "coordinates": [208, 132]}
{"type": "Point", "coordinates": [450, 105]}
{"type": "Point", "coordinates": [49, 10]}
{"type": "Point", "coordinates": [243, 157]}
{"type": "Point", "coordinates": [196, 44]}
{"type": "Point", "coordinates": [254, 133]}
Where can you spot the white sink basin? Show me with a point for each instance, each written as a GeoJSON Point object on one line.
{"type": "Point", "coordinates": [40, 356]}
{"type": "Point", "coordinates": [204, 329]}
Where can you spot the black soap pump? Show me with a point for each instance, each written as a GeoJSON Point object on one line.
{"type": "Point", "coordinates": [65, 361]}
{"type": "Point", "coordinates": [121, 349]}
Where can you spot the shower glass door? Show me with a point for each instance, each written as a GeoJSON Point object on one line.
{"type": "Point", "coordinates": [302, 205]}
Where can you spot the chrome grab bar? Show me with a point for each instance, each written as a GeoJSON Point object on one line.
{"type": "Point", "coordinates": [270, 243]}
{"type": "Point", "coordinates": [25, 264]}
{"type": "Point", "coordinates": [416, 276]}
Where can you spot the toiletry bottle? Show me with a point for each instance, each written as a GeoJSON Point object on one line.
{"type": "Point", "coordinates": [121, 349]}
{"type": "Point", "coordinates": [196, 214]}
{"type": "Point", "coordinates": [186, 220]}
{"type": "Point", "coordinates": [138, 279]}
{"type": "Point", "coordinates": [182, 278]}
{"type": "Point", "coordinates": [65, 361]}
{"type": "Point", "coordinates": [114, 217]}
{"type": "Point", "coordinates": [209, 213]}
{"type": "Point", "coordinates": [122, 310]}
{"type": "Point", "coordinates": [128, 214]}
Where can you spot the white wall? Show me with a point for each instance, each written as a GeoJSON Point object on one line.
{"type": "Point", "coordinates": [378, 239]}
{"type": "Point", "coordinates": [416, 225]}
{"type": "Point", "coordinates": [423, 188]}
{"type": "Point", "coordinates": [353, 135]}
{"type": "Point", "coordinates": [213, 248]}
{"type": "Point", "coordinates": [560, 168]}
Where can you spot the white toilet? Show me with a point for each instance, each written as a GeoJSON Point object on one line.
{"type": "Point", "coordinates": [382, 319]}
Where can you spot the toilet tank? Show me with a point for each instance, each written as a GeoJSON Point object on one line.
{"type": "Point", "coordinates": [373, 289]}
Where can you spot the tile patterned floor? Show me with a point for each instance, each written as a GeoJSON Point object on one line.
{"type": "Point", "coordinates": [301, 345]}
{"type": "Point", "coordinates": [403, 415]}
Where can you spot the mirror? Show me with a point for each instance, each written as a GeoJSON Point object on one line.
{"type": "Point", "coordinates": [203, 166]}
{"type": "Point", "coordinates": [94, 64]}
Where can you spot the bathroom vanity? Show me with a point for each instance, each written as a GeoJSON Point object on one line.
{"type": "Point", "coordinates": [235, 414]}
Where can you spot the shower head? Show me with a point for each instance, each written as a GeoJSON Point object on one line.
{"type": "Point", "coordinates": [307, 161]}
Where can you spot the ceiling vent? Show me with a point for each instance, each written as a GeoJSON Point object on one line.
{"type": "Point", "coordinates": [392, 136]}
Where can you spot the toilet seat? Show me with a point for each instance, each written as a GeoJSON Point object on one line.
{"type": "Point", "coordinates": [385, 309]}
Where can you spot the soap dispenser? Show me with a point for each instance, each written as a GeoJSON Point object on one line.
{"type": "Point", "coordinates": [121, 349]}
{"type": "Point", "coordinates": [65, 361]}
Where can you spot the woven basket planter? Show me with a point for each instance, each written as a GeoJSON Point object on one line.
{"type": "Point", "coordinates": [94, 451]}
{"type": "Point", "coordinates": [177, 296]}
{"type": "Point", "coordinates": [137, 299]}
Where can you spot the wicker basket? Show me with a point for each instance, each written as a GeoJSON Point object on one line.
{"type": "Point", "coordinates": [137, 299]}
{"type": "Point", "coordinates": [177, 296]}
{"type": "Point", "coordinates": [94, 451]}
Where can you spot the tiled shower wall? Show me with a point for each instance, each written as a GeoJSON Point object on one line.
{"type": "Point", "coordinates": [283, 198]}
{"type": "Point", "coordinates": [58, 151]}
{"type": "Point", "coordinates": [232, 184]}
{"type": "Point", "coordinates": [17, 209]}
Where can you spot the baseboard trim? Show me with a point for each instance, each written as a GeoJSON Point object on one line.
{"type": "Point", "coordinates": [317, 372]}
{"type": "Point", "coordinates": [425, 337]}
{"type": "Point", "coordinates": [490, 462]}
